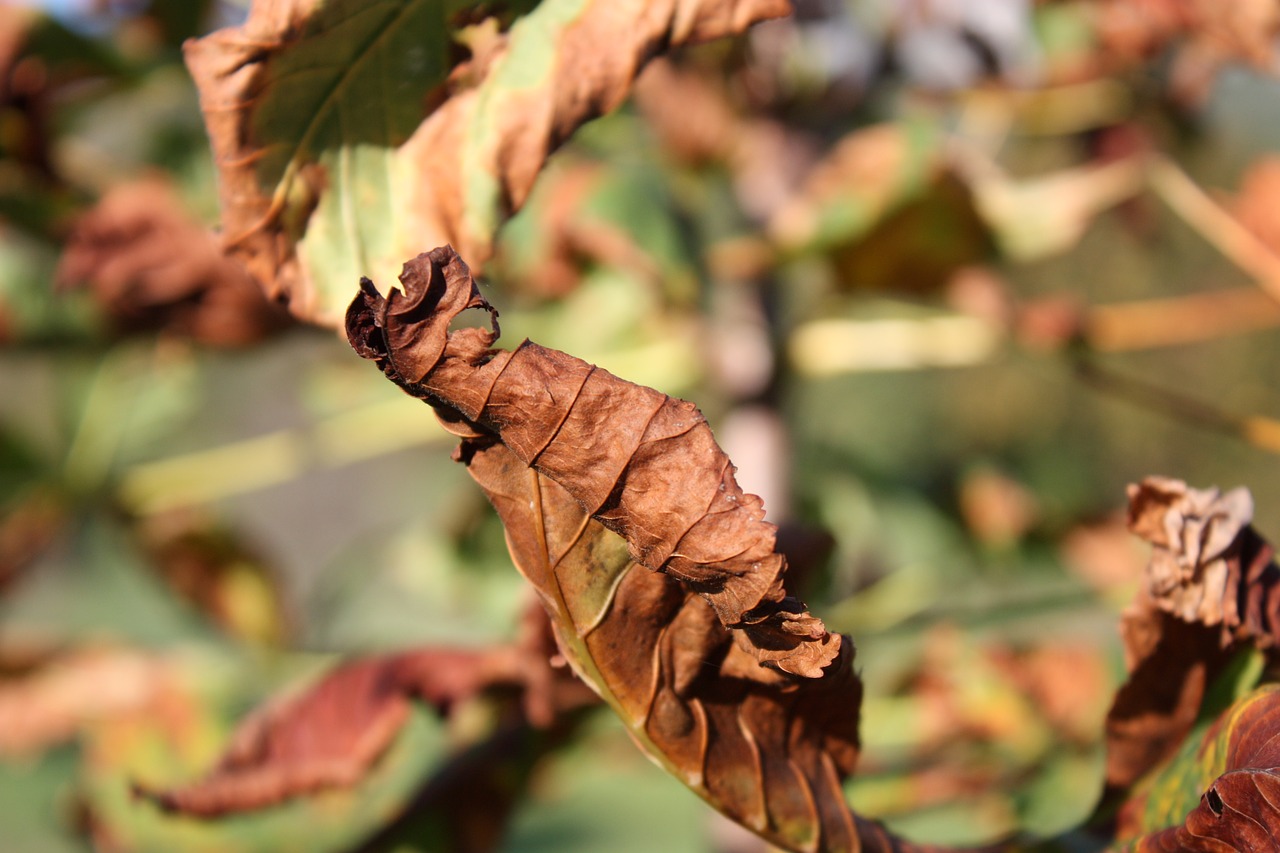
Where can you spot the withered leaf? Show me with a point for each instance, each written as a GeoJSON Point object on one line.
{"type": "Point", "coordinates": [151, 266]}
{"type": "Point", "coordinates": [1208, 565]}
{"type": "Point", "coordinates": [1211, 592]}
{"type": "Point", "coordinates": [658, 572]}
{"type": "Point", "coordinates": [330, 734]}
{"type": "Point", "coordinates": [319, 108]}
{"type": "Point", "coordinates": [1237, 763]}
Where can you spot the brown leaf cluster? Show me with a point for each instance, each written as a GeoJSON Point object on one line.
{"type": "Point", "coordinates": [151, 266]}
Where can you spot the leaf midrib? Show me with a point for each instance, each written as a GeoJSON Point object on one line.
{"type": "Point", "coordinates": [329, 105]}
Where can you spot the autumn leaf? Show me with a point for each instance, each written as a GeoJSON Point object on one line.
{"type": "Point", "coordinates": [658, 572]}
{"type": "Point", "coordinates": [1222, 790]}
{"type": "Point", "coordinates": [331, 734]}
{"type": "Point", "coordinates": [1205, 612]}
{"type": "Point", "coordinates": [347, 132]}
{"type": "Point", "coordinates": [326, 737]}
{"type": "Point", "coordinates": [150, 265]}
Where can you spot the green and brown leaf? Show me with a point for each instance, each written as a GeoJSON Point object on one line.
{"type": "Point", "coordinates": [348, 133]}
{"type": "Point", "coordinates": [658, 572]}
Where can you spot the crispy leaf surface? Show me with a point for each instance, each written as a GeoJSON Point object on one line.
{"type": "Point", "coordinates": [1209, 600]}
{"type": "Point", "coordinates": [347, 131]}
{"type": "Point", "coordinates": [659, 574]}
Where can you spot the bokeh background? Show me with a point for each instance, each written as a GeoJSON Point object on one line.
{"type": "Point", "coordinates": [945, 277]}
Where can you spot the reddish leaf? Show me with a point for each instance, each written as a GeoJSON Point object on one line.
{"type": "Point", "coordinates": [659, 574]}
{"type": "Point", "coordinates": [330, 735]}
{"type": "Point", "coordinates": [1240, 809]}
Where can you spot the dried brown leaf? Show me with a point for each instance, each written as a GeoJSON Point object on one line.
{"type": "Point", "coordinates": [150, 265]}
{"type": "Point", "coordinates": [659, 574]}
{"type": "Point", "coordinates": [1239, 811]}
{"type": "Point", "coordinates": [330, 734]}
{"type": "Point", "coordinates": [1210, 590]}
{"type": "Point", "coordinates": [1208, 566]}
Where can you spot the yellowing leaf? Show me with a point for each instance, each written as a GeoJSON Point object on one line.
{"type": "Point", "coordinates": [348, 133]}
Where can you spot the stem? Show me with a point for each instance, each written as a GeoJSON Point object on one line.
{"type": "Point", "coordinates": [1194, 206]}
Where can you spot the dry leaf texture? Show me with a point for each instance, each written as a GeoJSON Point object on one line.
{"type": "Point", "coordinates": [659, 574]}
{"type": "Point", "coordinates": [298, 99]}
{"type": "Point", "coordinates": [1211, 590]}
{"type": "Point", "coordinates": [1208, 566]}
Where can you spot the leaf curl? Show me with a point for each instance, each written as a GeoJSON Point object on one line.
{"type": "Point", "coordinates": [658, 572]}
{"type": "Point", "coordinates": [429, 123]}
{"type": "Point", "coordinates": [1210, 598]}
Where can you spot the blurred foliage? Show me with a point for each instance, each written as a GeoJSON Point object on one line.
{"type": "Point", "coordinates": [921, 266]}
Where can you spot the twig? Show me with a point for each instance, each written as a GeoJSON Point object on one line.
{"type": "Point", "coordinates": [1256, 430]}
{"type": "Point", "coordinates": [1237, 243]}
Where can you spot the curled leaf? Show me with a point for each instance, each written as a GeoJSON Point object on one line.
{"type": "Point", "coordinates": [320, 108]}
{"type": "Point", "coordinates": [1211, 591]}
{"type": "Point", "coordinates": [1207, 565]}
{"type": "Point", "coordinates": [642, 464]}
{"type": "Point", "coordinates": [658, 572]}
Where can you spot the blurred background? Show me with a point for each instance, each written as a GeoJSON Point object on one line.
{"type": "Point", "coordinates": [945, 277]}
